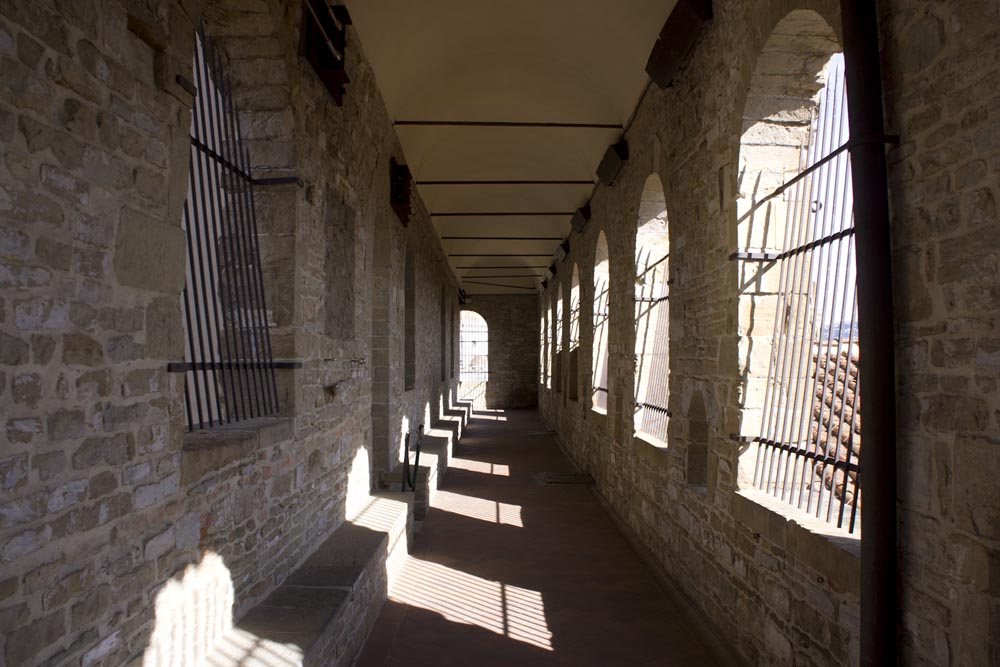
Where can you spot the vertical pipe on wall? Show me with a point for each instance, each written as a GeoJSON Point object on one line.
{"type": "Point", "coordinates": [877, 372]}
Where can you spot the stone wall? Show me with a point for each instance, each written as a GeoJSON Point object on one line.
{"type": "Point", "coordinates": [104, 498]}
{"type": "Point", "coordinates": [942, 65]}
{"type": "Point", "coordinates": [513, 349]}
{"type": "Point", "coordinates": [785, 589]}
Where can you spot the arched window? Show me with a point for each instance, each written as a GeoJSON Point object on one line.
{"type": "Point", "coordinates": [557, 341]}
{"type": "Point", "coordinates": [573, 379]}
{"type": "Point", "coordinates": [227, 343]}
{"type": "Point", "coordinates": [474, 346]}
{"type": "Point", "coordinates": [599, 376]}
{"type": "Point", "coordinates": [543, 345]}
{"type": "Point", "coordinates": [652, 312]}
{"type": "Point", "coordinates": [797, 278]}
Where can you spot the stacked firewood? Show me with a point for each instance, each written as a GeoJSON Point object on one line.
{"type": "Point", "coordinates": [836, 416]}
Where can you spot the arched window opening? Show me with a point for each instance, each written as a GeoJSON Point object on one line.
{"type": "Point", "coordinates": [599, 376]}
{"type": "Point", "coordinates": [474, 350]}
{"type": "Point", "coordinates": [543, 345]}
{"type": "Point", "coordinates": [696, 465]}
{"type": "Point", "coordinates": [410, 324]}
{"type": "Point", "coordinates": [798, 295]}
{"type": "Point", "coordinates": [557, 340]}
{"type": "Point", "coordinates": [228, 363]}
{"type": "Point", "coordinates": [573, 379]}
{"type": "Point", "coordinates": [652, 313]}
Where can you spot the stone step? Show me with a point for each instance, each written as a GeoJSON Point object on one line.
{"type": "Point", "coordinates": [320, 615]}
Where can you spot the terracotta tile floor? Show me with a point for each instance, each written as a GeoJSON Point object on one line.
{"type": "Point", "coordinates": [507, 570]}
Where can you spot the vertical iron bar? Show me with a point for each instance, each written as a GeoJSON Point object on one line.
{"type": "Point", "coordinates": [194, 248]}
{"type": "Point", "coordinates": [810, 229]}
{"type": "Point", "coordinates": [192, 327]}
{"type": "Point", "coordinates": [819, 268]}
{"type": "Point", "coordinates": [235, 400]}
{"type": "Point", "coordinates": [783, 327]}
{"type": "Point", "coordinates": [233, 202]}
{"type": "Point", "coordinates": [264, 360]}
{"type": "Point", "coordinates": [236, 309]}
{"type": "Point", "coordinates": [846, 218]}
{"type": "Point", "coordinates": [849, 452]}
{"type": "Point", "coordinates": [765, 452]}
{"type": "Point", "coordinates": [838, 196]}
{"type": "Point", "coordinates": [205, 206]}
{"type": "Point", "coordinates": [208, 265]}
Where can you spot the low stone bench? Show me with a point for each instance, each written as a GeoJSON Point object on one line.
{"type": "Point", "coordinates": [323, 611]}
{"type": "Point", "coordinates": [435, 454]}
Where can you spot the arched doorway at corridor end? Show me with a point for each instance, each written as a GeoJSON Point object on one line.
{"type": "Point", "coordinates": [473, 360]}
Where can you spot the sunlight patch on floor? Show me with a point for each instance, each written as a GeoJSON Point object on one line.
{"type": "Point", "coordinates": [240, 648]}
{"type": "Point", "coordinates": [509, 611]}
{"type": "Point", "coordinates": [484, 467]}
{"type": "Point", "coordinates": [482, 509]}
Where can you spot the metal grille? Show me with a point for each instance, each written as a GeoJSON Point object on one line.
{"type": "Point", "coordinates": [600, 370]}
{"type": "Point", "coordinates": [557, 341]}
{"type": "Point", "coordinates": [229, 369]}
{"type": "Point", "coordinates": [810, 433]}
{"type": "Point", "coordinates": [652, 337]}
{"type": "Point", "coordinates": [543, 349]}
{"type": "Point", "coordinates": [573, 380]}
{"type": "Point", "coordinates": [474, 346]}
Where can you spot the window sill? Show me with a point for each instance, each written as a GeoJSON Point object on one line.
{"type": "Point", "coordinates": [832, 552]}
{"type": "Point", "coordinates": [653, 451]}
{"type": "Point", "coordinates": [650, 440]}
{"type": "Point", "coordinates": [213, 449]}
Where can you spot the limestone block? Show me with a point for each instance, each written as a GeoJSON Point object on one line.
{"type": "Point", "coordinates": [149, 254]}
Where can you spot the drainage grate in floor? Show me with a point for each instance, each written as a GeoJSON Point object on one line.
{"type": "Point", "coordinates": [567, 478]}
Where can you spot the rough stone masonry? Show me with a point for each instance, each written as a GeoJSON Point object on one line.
{"type": "Point", "coordinates": [785, 590]}
{"type": "Point", "coordinates": [104, 499]}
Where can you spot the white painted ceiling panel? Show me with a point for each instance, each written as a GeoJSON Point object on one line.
{"type": "Point", "coordinates": [442, 65]}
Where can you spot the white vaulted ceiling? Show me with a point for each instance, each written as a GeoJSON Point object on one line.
{"type": "Point", "coordinates": [565, 75]}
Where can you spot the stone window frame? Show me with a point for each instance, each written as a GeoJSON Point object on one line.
{"type": "Point", "coordinates": [558, 327]}
{"type": "Point", "coordinates": [573, 334]}
{"type": "Point", "coordinates": [600, 349]}
{"type": "Point", "coordinates": [771, 53]}
{"type": "Point", "coordinates": [654, 251]}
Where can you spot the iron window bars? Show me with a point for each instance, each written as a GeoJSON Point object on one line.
{"type": "Point", "coordinates": [573, 379]}
{"type": "Point", "coordinates": [324, 44]}
{"type": "Point", "coordinates": [600, 353]}
{"type": "Point", "coordinates": [543, 348]}
{"type": "Point", "coordinates": [810, 438]}
{"type": "Point", "coordinates": [474, 342]}
{"type": "Point", "coordinates": [229, 369]}
{"type": "Point", "coordinates": [557, 343]}
{"type": "Point", "coordinates": [652, 337]}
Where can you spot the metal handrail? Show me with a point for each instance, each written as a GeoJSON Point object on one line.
{"type": "Point", "coordinates": [409, 480]}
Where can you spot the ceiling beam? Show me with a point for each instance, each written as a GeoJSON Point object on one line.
{"type": "Point", "coordinates": [509, 254]}
{"type": "Point", "coordinates": [502, 182]}
{"type": "Point", "coordinates": [474, 282]}
{"type": "Point", "coordinates": [501, 238]}
{"type": "Point", "coordinates": [531, 266]}
{"type": "Point", "coordinates": [530, 276]}
{"type": "Point", "coordinates": [507, 123]}
{"type": "Point", "coordinates": [484, 214]}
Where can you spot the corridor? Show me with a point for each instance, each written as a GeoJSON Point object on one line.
{"type": "Point", "coordinates": [509, 570]}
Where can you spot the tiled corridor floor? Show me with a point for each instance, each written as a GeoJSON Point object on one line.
{"type": "Point", "coordinates": [507, 570]}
